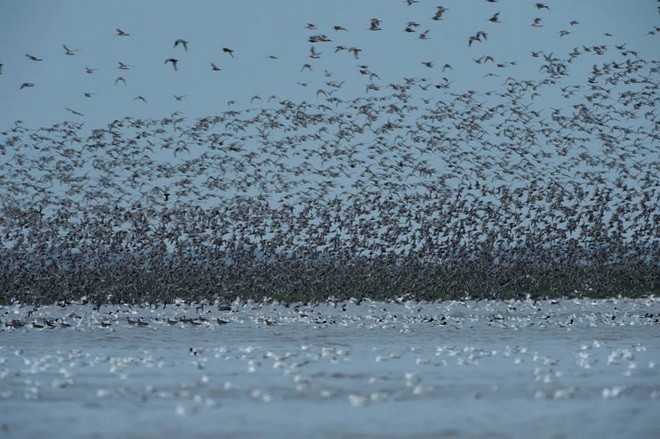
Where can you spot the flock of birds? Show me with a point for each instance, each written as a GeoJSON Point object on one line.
{"type": "Point", "coordinates": [414, 187]}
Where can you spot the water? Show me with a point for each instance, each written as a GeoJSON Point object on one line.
{"type": "Point", "coordinates": [577, 368]}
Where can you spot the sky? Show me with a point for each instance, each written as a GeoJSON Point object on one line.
{"type": "Point", "coordinates": [260, 29]}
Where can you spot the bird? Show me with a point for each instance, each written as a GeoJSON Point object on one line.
{"type": "Point", "coordinates": [140, 98]}
{"type": "Point", "coordinates": [215, 68]}
{"type": "Point", "coordinates": [495, 18]}
{"type": "Point", "coordinates": [73, 111]}
{"type": "Point", "coordinates": [121, 33]}
{"type": "Point", "coordinates": [542, 6]}
{"type": "Point", "coordinates": [229, 51]}
{"type": "Point", "coordinates": [537, 22]}
{"type": "Point", "coordinates": [183, 42]}
{"type": "Point", "coordinates": [90, 70]}
{"type": "Point", "coordinates": [68, 51]}
{"type": "Point", "coordinates": [123, 66]}
{"type": "Point", "coordinates": [339, 28]}
{"type": "Point", "coordinates": [439, 13]}
{"type": "Point", "coordinates": [173, 61]}
{"type": "Point", "coordinates": [33, 58]}
{"type": "Point", "coordinates": [179, 98]}
{"type": "Point", "coordinates": [26, 85]}
{"type": "Point", "coordinates": [375, 24]}
{"type": "Point", "coordinates": [120, 79]}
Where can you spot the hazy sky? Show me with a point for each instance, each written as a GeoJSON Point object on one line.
{"type": "Point", "coordinates": [258, 29]}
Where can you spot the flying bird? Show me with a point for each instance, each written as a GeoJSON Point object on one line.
{"type": "Point", "coordinates": [215, 68]}
{"type": "Point", "coordinates": [173, 61]}
{"type": "Point", "coordinates": [74, 111]}
{"type": "Point", "coordinates": [89, 70]}
{"type": "Point", "coordinates": [33, 58]}
{"type": "Point", "coordinates": [183, 42]}
{"type": "Point", "coordinates": [140, 98]}
{"type": "Point", "coordinates": [495, 18]}
{"type": "Point", "coordinates": [229, 51]}
{"type": "Point", "coordinates": [438, 14]}
{"type": "Point", "coordinates": [542, 6]}
{"type": "Point", "coordinates": [121, 33]}
{"type": "Point", "coordinates": [123, 66]}
{"type": "Point", "coordinates": [26, 85]}
{"type": "Point", "coordinates": [68, 51]}
{"type": "Point", "coordinates": [120, 78]}
{"type": "Point", "coordinates": [375, 24]}
{"type": "Point", "coordinates": [179, 98]}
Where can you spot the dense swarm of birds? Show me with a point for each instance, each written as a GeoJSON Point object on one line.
{"type": "Point", "coordinates": [414, 187]}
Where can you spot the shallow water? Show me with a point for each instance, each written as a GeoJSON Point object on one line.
{"type": "Point", "coordinates": [574, 368]}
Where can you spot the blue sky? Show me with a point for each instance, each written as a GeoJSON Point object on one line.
{"type": "Point", "coordinates": [257, 29]}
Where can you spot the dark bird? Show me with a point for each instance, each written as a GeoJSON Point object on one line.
{"type": "Point", "coordinates": [542, 6]}
{"type": "Point", "coordinates": [438, 14]}
{"type": "Point", "coordinates": [74, 111]}
{"type": "Point", "coordinates": [68, 51]}
{"type": "Point", "coordinates": [33, 58]}
{"type": "Point", "coordinates": [90, 71]}
{"type": "Point", "coordinates": [26, 85]}
{"type": "Point", "coordinates": [215, 68]}
{"type": "Point", "coordinates": [123, 66]}
{"type": "Point", "coordinates": [495, 18]}
{"type": "Point", "coordinates": [183, 42]}
{"type": "Point", "coordinates": [375, 24]}
{"type": "Point", "coordinates": [229, 51]}
{"type": "Point", "coordinates": [121, 33]}
{"type": "Point", "coordinates": [140, 98]}
{"type": "Point", "coordinates": [120, 78]}
{"type": "Point", "coordinates": [537, 22]}
{"type": "Point", "coordinates": [179, 98]}
{"type": "Point", "coordinates": [338, 28]}
{"type": "Point", "coordinates": [173, 61]}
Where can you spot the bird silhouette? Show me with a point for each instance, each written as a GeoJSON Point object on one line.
{"type": "Point", "coordinates": [439, 13]}
{"type": "Point", "coordinates": [172, 61]}
{"type": "Point", "coordinates": [184, 43]}
{"type": "Point", "coordinates": [68, 51]}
